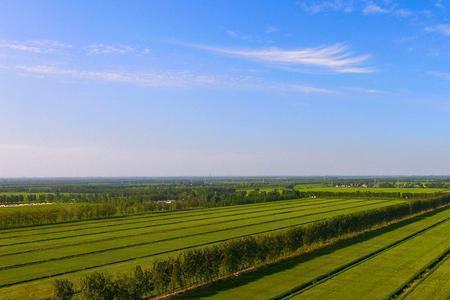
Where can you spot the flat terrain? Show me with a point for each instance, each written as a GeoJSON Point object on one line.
{"type": "Point", "coordinates": [333, 189]}
{"type": "Point", "coordinates": [436, 284]}
{"type": "Point", "coordinates": [31, 257]}
{"type": "Point", "coordinates": [371, 266]}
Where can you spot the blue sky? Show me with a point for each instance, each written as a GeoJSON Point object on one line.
{"type": "Point", "coordinates": [156, 88]}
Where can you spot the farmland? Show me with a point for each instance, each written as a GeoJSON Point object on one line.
{"type": "Point", "coordinates": [349, 189]}
{"type": "Point", "coordinates": [31, 257]}
{"type": "Point", "coordinates": [283, 243]}
{"type": "Point", "coordinates": [373, 266]}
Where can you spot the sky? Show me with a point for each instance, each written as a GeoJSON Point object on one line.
{"type": "Point", "coordinates": [224, 88]}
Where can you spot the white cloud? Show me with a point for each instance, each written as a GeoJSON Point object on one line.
{"type": "Point", "coordinates": [439, 4]}
{"type": "Point", "coordinates": [173, 79]}
{"type": "Point", "coordinates": [305, 89]}
{"type": "Point", "coordinates": [364, 90]}
{"type": "Point", "coordinates": [34, 46]}
{"type": "Point", "coordinates": [148, 79]}
{"type": "Point", "coordinates": [324, 6]}
{"type": "Point", "coordinates": [443, 75]}
{"type": "Point", "coordinates": [235, 34]}
{"type": "Point", "coordinates": [373, 9]}
{"type": "Point", "coordinates": [271, 29]}
{"type": "Point", "coordinates": [350, 6]}
{"type": "Point", "coordinates": [335, 58]}
{"type": "Point", "coordinates": [440, 28]}
{"type": "Point", "coordinates": [96, 49]}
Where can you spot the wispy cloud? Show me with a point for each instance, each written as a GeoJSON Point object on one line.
{"type": "Point", "coordinates": [97, 49]}
{"type": "Point", "coordinates": [364, 90]}
{"type": "Point", "coordinates": [44, 46]}
{"type": "Point", "coordinates": [147, 79]}
{"type": "Point", "coordinates": [271, 29]}
{"type": "Point", "coordinates": [440, 28]}
{"type": "Point", "coordinates": [236, 34]}
{"type": "Point", "coordinates": [167, 79]}
{"type": "Point", "coordinates": [35, 46]}
{"type": "Point", "coordinates": [324, 6]}
{"type": "Point", "coordinates": [297, 88]}
{"type": "Point", "coordinates": [335, 58]}
{"type": "Point", "coordinates": [373, 9]}
{"type": "Point", "coordinates": [439, 74]}
{"type": "Point", "coordinates": [350, 6]}
{"type": "Point", "coordinates": [439, 4]}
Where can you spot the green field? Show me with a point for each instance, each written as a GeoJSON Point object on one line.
{"type": "Point", "coordinates": [435, 286]}
{"type": "Point", "coordinates": [30, 258]}
{"type": "Point", "coordinates": [311, 188]}
{"type": "Point", "coordinates": [370, 267]}
{"type": "Point", "coordinates": [333, 189]}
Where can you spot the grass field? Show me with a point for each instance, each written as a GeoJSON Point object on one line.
{"type": "Point", "coordinates": [435, 286]}
{"type": "Point", "coordinates": [319, 188]}
{"type": "Point", "coordinates": [30, 258]}
{"type": "Point", "coordinates": [369, 267]}
{"type": "Point", "coordinates": [377, 277]}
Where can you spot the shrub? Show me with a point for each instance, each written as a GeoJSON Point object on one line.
{"type": "Point", "coordinates": [97, 286]}
{"type": "Point", "coordinates": [63, 289]}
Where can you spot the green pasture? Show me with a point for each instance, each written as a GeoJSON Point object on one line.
{"type": "Point", "coordinates": [282, 277]}
{"type": "Point", "coordinates": [376, 278]}
{"type": "Point", "coordinates": [30, 256]}
{"type": "Point", "coordinates": [435, 286]}
{"type": "Point", "coordinates": [318, 188]}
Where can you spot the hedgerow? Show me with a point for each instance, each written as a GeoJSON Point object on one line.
{"type": "Point", "coordinates": [204, 265]}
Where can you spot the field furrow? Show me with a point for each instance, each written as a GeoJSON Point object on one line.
{"type": "Point", "coordinates": [435, 285]}
{"type": "Point", "coordinates": [379, 277]}
{"type": "Point", "coordinates": [124, 230]}
{"type": "Point", "coordinates": [277, 280]}
{"type": "Point", "coordinates": [32, 267]}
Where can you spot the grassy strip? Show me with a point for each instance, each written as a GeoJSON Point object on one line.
{"type": "Point", "coordinates": [128, 256]}
{"type": "Point", "coordinates": [387, 215]}
{"type": "Point", "coordinates": [154, 214]}
{"type": "Point", "coordinates": [275, 278]}
{"type": "Point", "coordinates": [435, 285]}
{"type": "Point", "coordinates": [7, 267]}
{"type": "Point", "coordinates": [381, 275]}
{"type": "Point", "coordinates": [65, 236]}
{"type": "Point", "coordinates": [157, 215]}
{"type": "Point", "coordinates": [144, 256]}
{"type": "Point", "coordinates": [419, 276]}
{"type": "Point", "coordinates": [190, 225]}
{"type": "Point", "coordinates": [322, 278]}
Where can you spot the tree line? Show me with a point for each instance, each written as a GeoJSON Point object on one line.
{"type": "Point", "coordinates": [205, 265]}
{"type": "Point", "coordinates": [370, 194]}
{"type": "Point", "coordinates": [123, 204]}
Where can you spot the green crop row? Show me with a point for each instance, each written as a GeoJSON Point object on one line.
{"type": "Point", "coordinates": [285, 276]}
{"type": "Point", "coordinates": [142, 223]}
{"type": "Point", "coordinates": [435, 286]}
{"type": "Point", "coordinates": [378, 277]}
{"type": "Point", "coordinates": [166, 243]}
{"type": "Point", "coordinates": [140, 231]}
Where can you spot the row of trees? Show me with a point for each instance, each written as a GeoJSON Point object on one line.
{"type": "Point", "coordinates": [205, 265]}
{"type": "Point", "coordinates": [199, 266]}
{"type": "Point", "coordinates": [121, 205]}
{"type": "Point", "coordinates": [187, 195]}
{"type": "Point", "coordinates": [368, 194]}
{"type": "Point", "coordinates": [51, 214]}
{"type": "Point", "coordinates": [102, 286]}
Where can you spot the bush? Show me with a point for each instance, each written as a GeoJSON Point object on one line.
{"type": "Point", "coordinates": [97, 286]}
{"type": "Point", "coordinates": [63, 289]}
